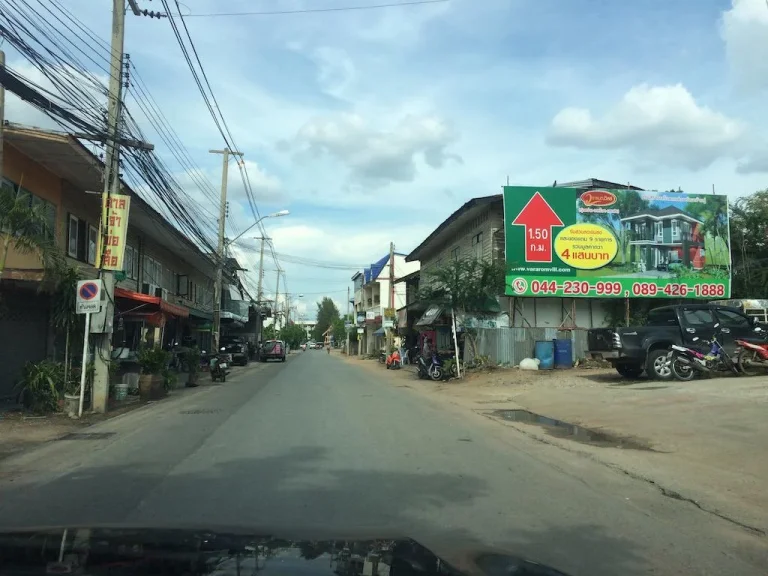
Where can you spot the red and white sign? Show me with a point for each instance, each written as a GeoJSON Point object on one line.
{"type": "Point", "coordinates": [538, 218]}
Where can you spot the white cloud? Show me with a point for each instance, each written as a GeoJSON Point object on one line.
{"type": "Point", "coordinates": [335, 70]}
{"type": "Point", "coordinates": [658, 123]}
{"type": "Point", "coordinates": [378, 157]}
{"type": "Point", "coordinates": [744, 30]}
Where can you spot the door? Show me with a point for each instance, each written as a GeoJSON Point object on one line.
{"type": "Point", "coordinates": [733, 326]}
{"type": "Point", "coordinates": [698, 324]}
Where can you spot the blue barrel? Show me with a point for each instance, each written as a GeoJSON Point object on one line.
{"type": "Point", "coordinates": [564, 353]}
{"type": "Point", "coordinates": [545, 352]}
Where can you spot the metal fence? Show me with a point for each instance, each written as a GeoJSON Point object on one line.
{"type": "Point", "coordinates": [508, 346]}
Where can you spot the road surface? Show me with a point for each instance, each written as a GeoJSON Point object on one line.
{"type": "Point", "coordinates": [320, 446]}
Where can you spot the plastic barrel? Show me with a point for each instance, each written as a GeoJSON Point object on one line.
{"type": "Point", "coordinates": [564, 353]}
{"type": "Point", "coordinates": [545, 352]}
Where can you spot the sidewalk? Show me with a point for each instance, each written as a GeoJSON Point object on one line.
{"type": "Point", "coordinates": [20, 432]}
{"type": "Point", "coordinates": [706, 439]}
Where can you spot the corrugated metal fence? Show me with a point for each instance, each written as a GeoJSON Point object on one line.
{"type": "Point", "coordinates": [508, 346]}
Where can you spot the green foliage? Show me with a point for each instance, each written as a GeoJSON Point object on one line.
{"type": "Point", "coordinates": [339, 331]}
{"type": "Point", "coordinates": [192, 359]}
{"type": "Point", "coordinates": [470, 286]}
{"type": "Point", "coordinates": [40, 386]}
{"type": "Point", "coordinates": [152, 360]}
{"type": "Point", "coordinates": [269, 332]}
{"type": "Point", "coordinates": [26, 229]}
{"type": "Point", "coordinates": [63, 301]}
{"type": "Point", "coordinates": [293, 335]}
{"type": "Point", "coordinates": [749, 246]}
{"type": "Point", "coordinates": [327, 314]}
{"type": "Point", "coordinates": [169, 379]}
{"type": "Point", "coordinates": [628, 202]}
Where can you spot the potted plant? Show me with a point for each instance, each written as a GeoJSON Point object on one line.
{"type": "Point", "coordinates": [192, 360]}
{"type": "Point", "coordinates": [151, 382]}
{"type": "Point", "coordinates": [40, 385]}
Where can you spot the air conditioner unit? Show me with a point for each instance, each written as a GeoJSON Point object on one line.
{"type": "Point", "coordinates": [158, 292]}
{"type": "Point", "coordinates": [148, 289]}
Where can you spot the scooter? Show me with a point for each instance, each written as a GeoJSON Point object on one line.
{"type": "Point", "coordinates": [434, 370]}
{"type": "Point", "coordinates": [686, 362]}
{"type": "Point", "coordinates": [751, 354]}
{"type": "Point", "coordinates": [219, 367]}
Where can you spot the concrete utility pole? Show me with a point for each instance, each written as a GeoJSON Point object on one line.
{"type": "Point", "coordinates": [277, 295]}
{"type": "Point", "coordinates": [347, 319]}
{"type": "Point", "coordinates": [100, 392]}
{"type": "Point", "coordinates": [220, 252]}
{"type": "Point", "coordinates": [261, 267]}
{"type": "Point", "coordinates": [2, 116]}
{"type": "Point", "coordinates": [390, 332]}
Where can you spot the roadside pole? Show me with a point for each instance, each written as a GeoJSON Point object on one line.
{"type": "Point", "coordinates": [220, 251]}
{"type": "Point", "coordinates": [347, 319]}
{"type": "Point", "coordinates": [2, 116]}
{"type": "Point", "coordinates": [277, 295]}
{"type": "Point", "coordinates": [84, 365]}
{"type": "Point", "coordinates": [390, 334]}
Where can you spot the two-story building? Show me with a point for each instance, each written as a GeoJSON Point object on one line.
{"type": "Point", "coordinates": [373, 290]}
{"type": "Point", "coordinates": [476, 230]}
{"type": "Point", "coordinates": [165, 292]}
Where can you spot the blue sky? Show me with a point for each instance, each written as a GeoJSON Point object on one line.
{"type": "Point", "coordinates": [373, 126]}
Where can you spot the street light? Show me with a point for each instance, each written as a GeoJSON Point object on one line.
{"type": "Point", "coordinates": [275, 215]}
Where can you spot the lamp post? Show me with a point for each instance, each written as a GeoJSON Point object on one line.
{"type": "Point", "coordinates": [219, 274]}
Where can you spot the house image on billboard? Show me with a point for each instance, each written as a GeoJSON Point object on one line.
{"type": "Point", "coordinates": [664, 239]}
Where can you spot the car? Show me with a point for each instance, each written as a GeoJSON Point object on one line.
{"type": "Point", "coordinates": [236, 349]}
{"type": "Point", "coordinates": [272, 350]}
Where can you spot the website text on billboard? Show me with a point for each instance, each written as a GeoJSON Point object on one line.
{"type": "Point", "coordinates": [567, 242]}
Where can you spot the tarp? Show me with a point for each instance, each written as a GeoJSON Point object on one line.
{"type": "Point", "coordinates": [163, 305]}
{"type": "Point", "coordinates": [380, 332]}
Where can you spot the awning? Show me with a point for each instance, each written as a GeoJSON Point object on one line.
{"type": "Point", "coordinates": [429, 317]}
{"type": "Point", "coordinates": [162, 305]}
{"type": "Point", "coordinates": [380, 332]}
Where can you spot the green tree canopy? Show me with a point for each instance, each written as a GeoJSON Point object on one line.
{"type": "Point", "coordinates": [327, 314]}
{"type": "Point", "coordinates": [293, 335]}
{"type": "Point", "coordinates": [749, 246]}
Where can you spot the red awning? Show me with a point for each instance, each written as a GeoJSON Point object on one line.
{"type": "Point", "coordinates": [167, 307]}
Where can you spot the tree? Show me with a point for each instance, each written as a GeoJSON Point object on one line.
{"type": "Point", "coordinates": [327, 314]}
{"type": "Point", "coordinates": [24, 227]}
{"type": "Point", "coordinates": [269, 332]}
{"type": "Point", "coordinates": [293, 335]}
{"type": "Point", "coordinates": [63, 315]}
{"type": "Point", "coordinates": [749, 246]}
{"type": "Point", "coordinates": [470, 286]}
{"type": "Point", "coordinates": [339, 331]}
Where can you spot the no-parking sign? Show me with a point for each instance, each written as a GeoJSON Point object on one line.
{"type": "Point", "coordinates": [88, 296]}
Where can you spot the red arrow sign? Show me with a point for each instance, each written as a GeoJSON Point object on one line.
{"type": "Point", "coordinates": [538, 218]}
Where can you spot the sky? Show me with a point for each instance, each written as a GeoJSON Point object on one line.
{"type": "Point", "coordinates": [373, 126]}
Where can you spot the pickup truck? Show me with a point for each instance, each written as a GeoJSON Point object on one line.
{"type": "Point", "coordinates": [633, 350]}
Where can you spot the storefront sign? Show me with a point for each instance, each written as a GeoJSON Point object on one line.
{"type": "Point", "coordinates": [567, 242]}
{"type": "Point", "coordinates": [114, 222]}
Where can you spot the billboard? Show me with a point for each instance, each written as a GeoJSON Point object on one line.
{"type": "Point", "coordinates": [575, 243]}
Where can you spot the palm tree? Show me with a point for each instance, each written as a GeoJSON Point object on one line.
{"type": "Point", "coordinates": [25, 227]}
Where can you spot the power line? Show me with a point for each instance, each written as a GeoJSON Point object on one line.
{"type": "Point", "coordinates": [317, 10]}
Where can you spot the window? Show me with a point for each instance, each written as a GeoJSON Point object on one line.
{"type": "Point", "coordinates": [153, 271]}
{"type": "Point", "coordinates": [131, 264]}
{"type": "Point", "coordinates": [662, 317]}
{"type": "Point", "coordinates": [659, 226]}
{"type": "Point", "coordinates": [72, 236]}
{"type": "Point", "coordinates": [477, 245]}
{"type": "Point", "coordinates": [675, 229]}
{"type": "Point", "coordinates": [730, 319]}
{"type": "Point", "coordinates": [698, 317]}
{"type": "Point", "coordinates": [93, 237]}
{"type": "Point", "coordinates": [455, 253]}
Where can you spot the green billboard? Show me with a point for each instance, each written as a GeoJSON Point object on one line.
{"type": "Point", "coordinates": [575, 243]}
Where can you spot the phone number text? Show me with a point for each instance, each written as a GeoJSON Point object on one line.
{"type": "Point", "coordinates": [583, 288]}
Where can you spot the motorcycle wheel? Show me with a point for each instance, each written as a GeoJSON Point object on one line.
{"type": "Point", "coordinates": [437, 374]}
{"type": "Point", "coordinates": [680, 371]}
{"type": "Point", "coordinates": [746, 362]}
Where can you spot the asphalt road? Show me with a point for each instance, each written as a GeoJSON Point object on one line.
{"type": "Point", "coordinates": [318, 446]}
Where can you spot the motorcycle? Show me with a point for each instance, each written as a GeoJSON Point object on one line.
{"type": "Point", "coordinates": [434, 370]}
{"type": "Point", "coordinates": [751, 354]}
{"type": "Point", "coordinates": [219, 367]}
{"type": "Point", "coordinates": [686, 362]}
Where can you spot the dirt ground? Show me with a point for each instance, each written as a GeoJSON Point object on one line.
{"type": "Point", "coordinates": [702, 441]}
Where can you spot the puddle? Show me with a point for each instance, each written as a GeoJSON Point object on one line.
{"type": "Point", "coordinates": [568, 431]}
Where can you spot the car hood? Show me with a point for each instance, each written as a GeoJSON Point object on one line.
{"type": "Point", "coordinates": [221, 553]}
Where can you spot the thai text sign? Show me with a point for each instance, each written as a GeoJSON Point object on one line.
{"type": "Point", "coordinates": [570, 242]}
{"type": "Point", "coordinates": [114, 227]}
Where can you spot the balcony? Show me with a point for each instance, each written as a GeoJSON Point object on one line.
{"type": "Point", "coordinates": [650, 236]}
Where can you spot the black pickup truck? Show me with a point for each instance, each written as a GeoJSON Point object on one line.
{"type": "Point", "coordinates": [636, 349]}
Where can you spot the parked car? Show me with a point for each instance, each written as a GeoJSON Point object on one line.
{"type": "Point", "coordinates": [633, 350]}
{"type": "Point", "coordinates": [273, 350]}
{"type": "Point", "coordinates": [237, 349]}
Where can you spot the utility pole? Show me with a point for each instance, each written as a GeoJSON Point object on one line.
{"type": "Point", "coordinates": [261, 267]}
{"type": "Point", "coordinates": [2, 117]}
{"type": "Point", "coordinates": [390, 333]}
{"type": "Point", "coordinates": [277, 296]}
{"type": "Point", "coordinates": [100, 392]}
{"type": "Point", "coordinates": [347, 319]}
{"type": "Point", "coordinates": [220, 252]}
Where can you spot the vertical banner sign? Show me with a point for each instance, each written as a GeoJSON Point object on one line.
{"type": "Point", "coordinates": [575, 243]}
{"type": "Point", "coordinates": [114, 216]}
